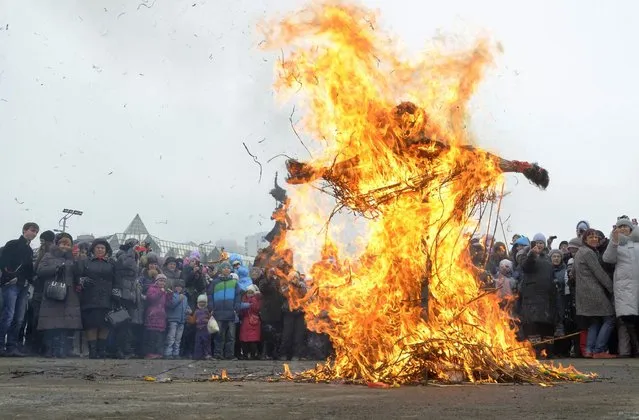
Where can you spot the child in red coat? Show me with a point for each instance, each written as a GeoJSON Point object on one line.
{"type": "Point", "coordinates": [251, 326]}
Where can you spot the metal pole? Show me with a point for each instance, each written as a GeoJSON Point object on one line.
{"type": "Point", "coordinates": [64, 224]}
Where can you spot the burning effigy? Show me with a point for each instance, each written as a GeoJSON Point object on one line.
{"type": "Point", "coordinates": [407, 307]}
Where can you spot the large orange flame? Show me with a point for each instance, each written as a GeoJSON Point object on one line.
{"type": "Point", "coordinates": [349, 78]}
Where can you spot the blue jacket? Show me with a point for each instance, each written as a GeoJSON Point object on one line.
{"type": "Point", "coordinates": [224, 298]}
{"type": "Point", "coordinates": [176, 310]}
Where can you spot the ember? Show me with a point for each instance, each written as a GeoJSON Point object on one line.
{"type": "Point", "coordinates": [410, 171]}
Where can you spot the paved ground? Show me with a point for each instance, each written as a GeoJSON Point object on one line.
{"type": "Point", "coordinates": [79, 389]}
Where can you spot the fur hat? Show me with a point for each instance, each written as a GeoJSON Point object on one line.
{"type": "Point", "coordinates": [169, 260]}
{"type": "Point", "coordinates": [583, 225]}
{"type": "Point", "coordinates": [101, 241]}
{"type": "Point", "coordinates": [151, 258]}
{"type": "Point", "coordinates": [47, 236]}
{"type": "Point", "coordinates": [202, 298]}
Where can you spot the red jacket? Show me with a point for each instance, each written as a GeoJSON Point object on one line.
{"type": "Point", "coordinates": [251, 326]}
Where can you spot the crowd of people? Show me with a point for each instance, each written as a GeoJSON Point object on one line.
{"type": "Point", "coordinates": [578, 300]}
{"type": "Point", "coordinates": [70, 299]}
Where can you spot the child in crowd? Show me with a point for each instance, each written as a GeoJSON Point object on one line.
{"type": "Point", "coordinates": [251, 327]}
{"type": "Point", "coordinates": [202, 337]}
{"type": "Point", "coordinates": [155, 319]}
{"type": "Point", "coordinates": [176, 318]}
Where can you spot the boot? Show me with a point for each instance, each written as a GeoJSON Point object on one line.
{"type": "Point", "coordinates": [93, 349]}
{"type": "Point", "coordinates": [101, 349]}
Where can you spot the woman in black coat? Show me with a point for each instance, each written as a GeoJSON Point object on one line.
{"type": "Point", "coordinates": [97, 275]}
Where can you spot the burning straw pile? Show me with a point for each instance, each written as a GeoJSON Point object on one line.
{"type": "Point", "coordinates": [406, 307]}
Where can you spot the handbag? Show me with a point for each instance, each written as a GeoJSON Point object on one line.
{"type": "Point", "coordinates": [212, 326]}
{"type": "Point", "coordinates": [116, 317]}
{"type": "Point", "coordinates": [57, 289]}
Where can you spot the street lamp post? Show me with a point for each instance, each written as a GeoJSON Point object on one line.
{"type": "Point", "coordinates": [67, 215]}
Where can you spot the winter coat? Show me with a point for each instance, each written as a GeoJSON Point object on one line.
{"type": "Point", "coordinates": [126, 275]}
{"type": "Point", "coordinates": [224, 298]}
{"type": "Point", "coordinates": [195, 284]}
{"type": "Point", "coordinates": [537, 290]}
{"type": "Point", "coordinates": [54, 314]}
{"type": "Point", "coordinates": [177, 308]}
{"type": "Point", "coordinates": [172, 277]}
{"type": "Point", "coordinates": [593, 287]}
{"type": "Point", "coordinates": [156, 302]}
{"type": "Point", "coordinates": [202, 317]}
{"type": "Point", "coordinates": [16, 260]}
{"type": "Point", "coordinates": [251, 326]}
{"type": "Point", "coordinates": [272, 300]}
{"type": "Point", "coordinates": [625, 255]}
{"type": "Point", "coordinates": [99, 275]}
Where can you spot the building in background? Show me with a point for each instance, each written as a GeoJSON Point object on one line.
{"type": "Point", "coordinates": [164, 248]}
{"type": "Point", "coordinates": [255, 242]}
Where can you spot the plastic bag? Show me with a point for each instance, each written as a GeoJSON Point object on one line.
{"type": "Point", "coordinates": [212, 326]}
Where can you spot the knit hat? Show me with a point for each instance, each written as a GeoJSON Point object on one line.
{"type": "Point", "coordinates": [505, 263]}
{"type": "Point", "coordinates": [522, 241]}
{"type": "Point", "coordinates": [151, 258]}
{"type": "Point", "coordinates": [47, 236]}
{"type": "Point", "coordinates": [195, 255]}
{"type": "Point", "coordinates": [625, 222]}
{"type": "Point", "coordinates": [224, 265]}
{"type": "Point", "coordinates": [160, 277]}
{"type": "Point", "coordinates": [555, 251]}
{"type": "Point", "coordinates": [575, 243]}
{"type": "Point", "coordinates": [202, 298]}
{"type": "Point", "coordinates": [63, 235]}
{"type": "Point", "coordinates": [252, 289]}
{"type": "Point", "coordinates": [169, 260]}
{"type": "Point", "coordinates": [179, 282]}
{"type": "Point", "coordinates": [539, 237]}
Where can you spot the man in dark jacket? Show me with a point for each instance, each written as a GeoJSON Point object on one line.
{"type": "Point", "coordinates": [126, 293]}
{"type": "Point", "coordinates": [16, 265]}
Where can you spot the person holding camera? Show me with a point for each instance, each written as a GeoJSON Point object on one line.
{"type": "Point", "coordinates": [58, 314]}
{"type": "Point", "coordinates": [538, 294]}
{"type": "Point", "coordinates": [623, 251]}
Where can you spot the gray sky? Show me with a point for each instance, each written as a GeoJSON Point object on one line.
{"type": "Point", "coordinates": [162, 97]}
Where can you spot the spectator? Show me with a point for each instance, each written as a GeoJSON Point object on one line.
{"type": "Point", "coordinates": [157, 299]}
{"type": "Point", "coordinates": [34, 337]}
{"type": "Point", "coordinates": [250, 328]}
{"type": "Point", "coordinates": [559, 279]}
{"type": "Point", "coordinates": [176, 318]}
{"type": "Point", "coordinates": [172, 273]}
{"type": "Point", "coordinates": [623, 252]}
{"type": "Point", "coordinates": [96, 276]}
{"type": "Point", "coordinates": [496, 256]}
{"type": "Point", "coordinates": [594, 297]}
{"type": "Point", "coordinates": [271, 314]}
{"type": "Point", "coordinates": [538, 294]}
{"type": "Point", "coordinates": [150, 271]}
{"type": "Point", "coordinates": [57, 318]}
{"type": "Point", "coordinates": [224, 302]}
{"type": "Point", "coordinates": [16, 267]}
{"type": "Point", "coordinates": [202, 347]}
{"type": "Point", "coordinates": [127, 293]}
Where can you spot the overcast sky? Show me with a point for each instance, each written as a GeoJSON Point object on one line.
{"type": "Point", "coordinates": [116, 108]}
